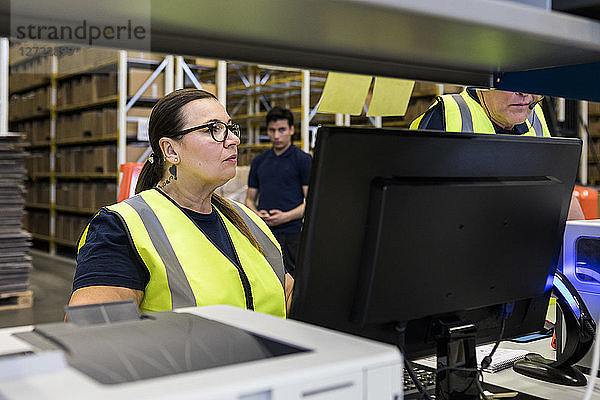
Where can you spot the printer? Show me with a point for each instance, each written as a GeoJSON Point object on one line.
{"type": "Point", "coordinates": [212, 352]}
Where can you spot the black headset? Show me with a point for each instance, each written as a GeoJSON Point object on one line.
{"type": "Point", "coordinates": [579, 324]}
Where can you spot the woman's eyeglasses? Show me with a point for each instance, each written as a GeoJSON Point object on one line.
{"type": "Point", "coordinates": [218, 130]}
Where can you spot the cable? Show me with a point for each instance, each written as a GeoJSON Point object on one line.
{"type": "Point", "coordinates": [477, 379]}
{"type": "Point", "coordinates": [595, 364]}
{"type": "Point", "coordinates": [478, 383]}
{"type": "Point", "coordinates": [487, 360]}
{"type": "Point", "coordinates": [416, 381]}
{"type": "Point", "coordinates": [400, 330]}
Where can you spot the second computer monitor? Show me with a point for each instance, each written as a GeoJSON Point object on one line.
{"type": "Point", "coordinates": [417, 227]}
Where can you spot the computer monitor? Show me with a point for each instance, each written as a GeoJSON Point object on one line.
{"type": "Point", "coordinates": [416, 228]}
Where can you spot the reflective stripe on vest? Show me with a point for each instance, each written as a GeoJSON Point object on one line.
{"type": "Point", "coordinates": [181, 291]}
{"type": "Point", "coordinates": [465, 114]}
{"type": "Point", "coordinates": [187, 269]}
{"type": "Point", "coordinates": [272, 253]}
{"type": "Point", "coordinates": [536, 124]}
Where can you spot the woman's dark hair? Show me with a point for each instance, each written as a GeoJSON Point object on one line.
{"type": "Point", "coordinates": [166, 120]}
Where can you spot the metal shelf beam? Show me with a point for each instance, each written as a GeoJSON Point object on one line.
{"type": "Point", "coordinates": [459, 41]}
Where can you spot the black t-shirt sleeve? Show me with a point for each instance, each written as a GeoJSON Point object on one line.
{"type": "Point", "coordinates": [305, 164]}
{"type": "Point", "coordinates": [107, 257]}
{"type": "Point", "coordinates": [253, 174]}
{"type": "Point", "coordinates": [433, 119]}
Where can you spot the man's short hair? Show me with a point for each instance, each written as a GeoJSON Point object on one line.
{"type": "Point", "coordinates": [278, 113]}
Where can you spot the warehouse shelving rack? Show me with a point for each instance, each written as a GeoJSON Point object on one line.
{"type": "Point", "coordinates": [122, 104]}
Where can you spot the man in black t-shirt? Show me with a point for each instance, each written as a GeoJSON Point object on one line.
{"type": "Point", "coordinates": [278, 184]}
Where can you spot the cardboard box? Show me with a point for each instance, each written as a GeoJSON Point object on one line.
{"type": "Point", "coordinates": [41, 221]}
{"type": "Point", "coordinates": [45, 163]}
{"type": "Point", "coordinates": [88, 162]}
{"type": "Point", "coordinates": [94, 56]}
{"type": "Point", "coordinates": [138, 76]}
{"type": "Point", "coordinates": [426, 89]}
{"type": "Point", "coordinates": [105, 85]}
{"type": "Point", "coordinates": [91, 124]}
{"type": "Point", "coordinates": [416, 107]}
{"type": "Point", "coordinates": [134, 152]}
{"type": "Point", "coordinates": [109, 122]}
{"type": "Point", "coordinates": [29, 194]}
{"type": "Point", "coordinates": [106, 194]}
{"type": "Point", "coordinates": [65, 161]}
{"type": "Point", "coordinates": [80, 90]}
{"type": "Point", "coordinates": [143, 112]}
{"type": "Point", "coordinates": [140, 113]}
{"type": "Point", "coordinates": [76, 195]}
{"type": "Point", "coordinates": [59, 228]}
{"type": "Point", "coordinates": [43, 192]}
{"type": "Point", "coordinates": [64, 93]}
{"type": "Point", "coordinates": [62, 194]}
{"type": "Point", "coordinates": [72, 61]}
{"type": "Point", "coordinates": [40, 132]}
{"type": "Point", "coordinates": [87, 196]}
{"type": "Point", "coordinates": [204, 62]}
{"type": "Point", "coordinates": [68, 127]}
{"type": "Point", "coordinates": [42, 100]}
{"type": "Point", "coordinates": [104, 159]}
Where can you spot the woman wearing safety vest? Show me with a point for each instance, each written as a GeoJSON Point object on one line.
{"type": "Point", "coordinates": [177, 243]}
{"type": "Point", "coordinates": [490, 111]}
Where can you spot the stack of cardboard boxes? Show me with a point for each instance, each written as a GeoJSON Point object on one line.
{"type": "Point", "coordinates": [86, 160]}
{"type": "Point", "coordinates": [28, 72]}
{"type": "Point", "coordinates": [36, 132]}
{"type": "Point", "coordinates": [29, 104]}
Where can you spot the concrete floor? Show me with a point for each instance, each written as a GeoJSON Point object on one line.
{"type": "Point", "coordinates": [51, 280]}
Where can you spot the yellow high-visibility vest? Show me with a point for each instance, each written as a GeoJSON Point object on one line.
{"type": "Point", "coordinates": [463, 114]}
{"type": "Point", "coordinates": [186, 269]}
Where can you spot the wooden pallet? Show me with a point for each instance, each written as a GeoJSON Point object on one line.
{"type": "Point", "coordinates": [16, 300]}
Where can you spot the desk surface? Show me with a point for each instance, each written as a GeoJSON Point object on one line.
{"type": "Point", "coordinates": [511, 380]}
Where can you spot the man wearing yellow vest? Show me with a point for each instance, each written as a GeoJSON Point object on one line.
{"type": "Point", "coordinates": [489, 111]}
{"type": "Point", "coordinates": [485, 111]}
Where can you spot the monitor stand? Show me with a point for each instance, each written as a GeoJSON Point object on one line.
{"type": "Point", "coordinates": [579, 328]}
{"type": "Point", "coordinates": [538, 367]}
{"type": "Point", "coordinates": [457, 377]}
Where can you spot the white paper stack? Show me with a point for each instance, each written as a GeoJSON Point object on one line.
{"type": "Point", "coordinates": [15, 263]}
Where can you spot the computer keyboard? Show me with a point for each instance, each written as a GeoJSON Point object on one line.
{"type": "Point", "coordinates": [427, 379]}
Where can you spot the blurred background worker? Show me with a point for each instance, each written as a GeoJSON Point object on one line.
{"type": "Point", "coordinates": [278, 184]}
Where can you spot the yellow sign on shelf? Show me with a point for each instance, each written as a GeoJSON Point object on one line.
{"type": "Point", "coordinates": [390, 97]}
{"type": "Point", "coordinates": [344, 93]}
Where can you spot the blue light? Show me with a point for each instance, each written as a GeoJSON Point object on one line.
{"type": "Point", "coordinates": [558, 284]}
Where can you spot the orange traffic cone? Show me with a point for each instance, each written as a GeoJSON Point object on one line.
{"type": "Point", "coordinates": [129, 175]}
{"type": "Point", "coordinates": [588, 199]}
